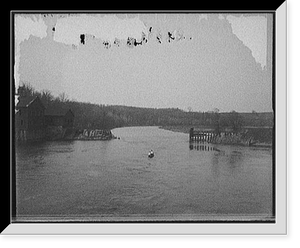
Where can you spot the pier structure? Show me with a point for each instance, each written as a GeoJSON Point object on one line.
{"type": "Point", "coordinates": [209, 135]}
{"type": "Point", "coordinates": [202, 135]}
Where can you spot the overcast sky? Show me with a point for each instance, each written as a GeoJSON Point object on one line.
{"type": "Point", "coordinates": [202, 61]}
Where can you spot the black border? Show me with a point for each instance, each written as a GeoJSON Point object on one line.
{"type": "Point", "coordinates": [11, 174]}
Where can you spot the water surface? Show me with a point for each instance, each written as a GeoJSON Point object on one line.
{"type": "Point", "coordinates": [115, 180]}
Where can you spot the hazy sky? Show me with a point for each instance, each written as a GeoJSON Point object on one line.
{"type": "Point", "coordinates": [202, 61]}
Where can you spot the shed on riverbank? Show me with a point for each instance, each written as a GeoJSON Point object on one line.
{"type": "Point", "coordinates": [29, 119]}
{"type": "Point", "coordinates": [55, 116]}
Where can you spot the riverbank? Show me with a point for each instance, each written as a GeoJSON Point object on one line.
{"type": "Point", "coordinates": [184, 129]}
{"type": "Point", "coordinates": [255, 136]}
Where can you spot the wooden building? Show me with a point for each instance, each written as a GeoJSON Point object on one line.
{"type": "Point", "coordinates": [59, 123]}
{"type": "Point", "coordinates": [29, 119]}
{"type": "Point", "coordinates": [35, 122]}
{"type": "Point", "coordinates": [55, 116]}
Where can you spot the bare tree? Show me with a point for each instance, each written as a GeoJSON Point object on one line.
{"type": "Point", "coordinates": [216, 119]}
{"type": "Point", "coordinates": [47, 97]}
{"type": "Point", "coordinates": [236, 120]}
{"type": "Point", "coordinates": [62, 97]}
{"type": "Point", "coordinates": [25, 89]}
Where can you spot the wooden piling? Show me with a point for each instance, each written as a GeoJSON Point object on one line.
{"type": "Point", "coordinates": [191, 133]}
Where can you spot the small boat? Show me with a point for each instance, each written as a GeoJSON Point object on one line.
{"type": "Point", "coordinates": [151, 154]}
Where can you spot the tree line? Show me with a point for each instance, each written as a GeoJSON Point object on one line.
{"type": "Point", "coordinates": [99, 116]}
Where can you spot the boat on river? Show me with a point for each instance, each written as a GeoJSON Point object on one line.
{"type": "Point", "coordinates": [151, 154]}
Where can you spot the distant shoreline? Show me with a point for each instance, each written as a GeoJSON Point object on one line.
{"type": "Point", "coordinates": [182, 129]}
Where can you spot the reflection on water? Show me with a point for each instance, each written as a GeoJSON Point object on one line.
{"type": "Point", "coordinates": [234, 157]}
{"type": "Point", "coordinates": [202, 147]}
{"type": "Point", "coordinates": [97, 179]}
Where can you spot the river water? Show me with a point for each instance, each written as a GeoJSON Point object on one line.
{"type": "Point", "coordinates": [115, 180]}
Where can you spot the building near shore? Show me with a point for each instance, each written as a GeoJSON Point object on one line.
{"type": "Point", "coordinates": [33, 121]}
{"type": "Point", "coordinates": [30, 119]}
{"type": "Point", "coordinates": [55, 116]}
{"type": "Point", "coordinates": [59, 123]}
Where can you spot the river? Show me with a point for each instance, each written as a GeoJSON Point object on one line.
{"type": "Point", "coordinates": [116, 181]}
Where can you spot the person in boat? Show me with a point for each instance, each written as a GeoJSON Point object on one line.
{"type": "Point", "coordinates": [151, 154]}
